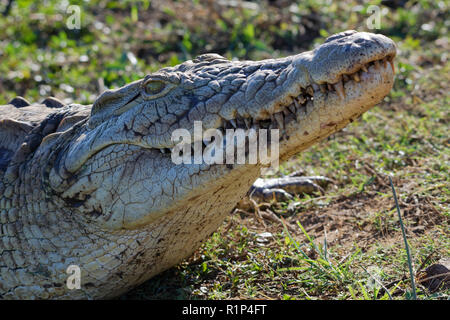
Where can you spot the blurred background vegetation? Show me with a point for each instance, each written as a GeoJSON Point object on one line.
{"type": "Point", "coordinates": [121, 41]}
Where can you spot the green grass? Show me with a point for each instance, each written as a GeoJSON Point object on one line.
{"type": "Point", "coordinates": [348, 243]}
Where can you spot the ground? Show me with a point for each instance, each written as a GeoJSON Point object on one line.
{"type": "Point", "coordinates": [344, 244]}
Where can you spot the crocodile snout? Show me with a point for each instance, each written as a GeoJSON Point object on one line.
{"type": "Point", "coordinates": [345, 53]}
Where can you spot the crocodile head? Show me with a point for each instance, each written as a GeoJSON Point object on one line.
{"type": "Point", "coordinates": [117, 168]}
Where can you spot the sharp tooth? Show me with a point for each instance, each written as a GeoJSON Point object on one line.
{"type": "Point", "coordinates": [288, 100]}
{"type": "Point", "coordinates": [385, 62]}
{"type": "Point", "coordinates": [323, 88]}
{"type": "Point", "coordinates": [391, 62]}
{"type": "Point", "coordinates": [339, 87]}
{"type": "Point", "coordinates": [233, 122]}
{"type": "Point", "coordinates": [345, 77]}
{"type": "Point", "coordinates": [280, 120]}
{"type": "Point", "coordinates": [162, 150]}
{"type": "Point", "coordinates": [296, 103]}
{"type": "Point", "coordinates": [364, 68]}
{"type": "Point", "coordinates": [248, 122]}
{"type": "Point", "coordinates": [330, 88]}
{"type": "Point", "coordinates": [356, 77]}
{"type": "Point", "coordinates": [310, 91]}
{"type": "Point", "coordinates": [301, 99]}
{"type": "Point", "coordinates": [376, 63]}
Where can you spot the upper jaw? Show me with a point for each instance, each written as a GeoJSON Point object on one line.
{"type": "Point", "coordinates": [341, 73]}
{"type": "Point", "coordinates": [344, 54]}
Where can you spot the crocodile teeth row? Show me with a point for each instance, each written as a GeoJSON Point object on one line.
{"type": "Point", "coordinates": [279, 120]}
{"type": "Point", "coordinates": [355, 76]}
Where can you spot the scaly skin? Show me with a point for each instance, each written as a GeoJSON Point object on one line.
{"type": "Point", "coordinates": [96, 187]}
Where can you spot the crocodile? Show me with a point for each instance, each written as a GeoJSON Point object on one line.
{"type": "Point", "coordinates": [95, 187]}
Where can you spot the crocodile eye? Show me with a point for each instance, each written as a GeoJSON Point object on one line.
{"type": "Point", "coordinates": [154, 87]}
